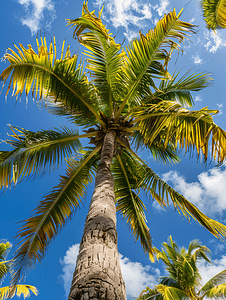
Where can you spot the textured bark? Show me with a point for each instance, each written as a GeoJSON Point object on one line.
{"type": "Point", "coordinates": [98, 273]}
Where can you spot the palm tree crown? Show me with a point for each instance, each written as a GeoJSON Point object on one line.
{"type": "Point", "coordinates": [184, 279]}
{"type": "Point", "coordinates": [128, 93]}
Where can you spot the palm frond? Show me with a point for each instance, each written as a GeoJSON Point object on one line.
{"type": "Point", "coordinates": [20, 289]}
{"type": "Point", "coordinates": [105, 62]}
{"type": "Point", "coordinates": [128, 202]}
{"type": "Point", "coordinates": [217, 292]}
{"type": "Point", "coordinates": [192, 131]}
{"type": "Point", "coordinates": [214, 282]}
{"type": "Point", "coordinates": [180, 89]}
{"type": "Point", "coordinates": [52, 213]}
{"type": "Point", "coordinates": [161, 153]}
{"type": "Point", "coordinates": [45, 76]}
{"type": "Point", "coordinates": [214, 13]}
{"type": "Point", "coordinates": [35, 152]}
{"type": "Point", "coordinates": [171, 293]}
{"type": "Point", "coordinates": [145, 54]}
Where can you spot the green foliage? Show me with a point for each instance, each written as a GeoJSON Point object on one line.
{"type": "Point", "coordinates": [128, 91]}
{"type": "Point", "coordinates": [184, 279]}
{"type": "Point", "coordinates": [7, 292]}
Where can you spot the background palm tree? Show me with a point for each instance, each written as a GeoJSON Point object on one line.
{"type": "Point", "coordinates": [20, 289]}
{"type": "Point", "coordinates": [214, 13]}
{"type": "Point", "coordinates": [184, 279]}
{"type": "Point", "coordinates": [128, 100]}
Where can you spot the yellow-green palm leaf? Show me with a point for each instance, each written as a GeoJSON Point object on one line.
{"type": "Point", "coordinates": [35, 152]}
{"type": "Point", "coordinates": [52, 213]}
{"type": "Point", "coordinates": [187, 130]}
{"type": "Point", "coordinates": [129, 204]}
{"type": "Point", "coordinates": [20, 289]}
{"type": "Point", "coordinates": [105, 62]}
{"type": "Point", "coordinates": [145, 54]}
{"type": "Point", "coordinates": [45, 76]}
{"type": "Point", "coordinates": [214, 12]}
{"type": "Point", "coordinates": [171, 293]}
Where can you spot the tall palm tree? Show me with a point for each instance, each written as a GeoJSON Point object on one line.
{"type": "Point", "coordinates": [184, 279]}
{"type": "Point", "coordinates": [20, 289]}
{"type": "Point", "coordinates": [214, 13]}
{"type": "Point", "coordinates": [127, 100]}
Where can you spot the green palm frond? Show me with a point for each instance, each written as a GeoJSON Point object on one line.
{"type": "Point", "coordinates": [213, 284]}
{"type": "Point", "coordinates": [20, 289]}
{"type": "Point", "coordinates": [4, 248]}
{"type": "Point", "coordinates": [145, 54]}
{"type": "Point", "coordinates": [171, 293]}
{"type": "Point", "coordinates": [188, 130]}
{"type": "Point", "coordinates": [160, 152]}
{"type": "Point", "coordinates": [52, 213]}
{"type": "Point", "coordinates": [162, 193]}
{"type": "Point", "coordinates": [36, 152]}
{"type": "Point", "coordinates": [180, 89]}
{"type": "Point", "coordinates": [150, 294]}
{"type": "Point", "coordinates": [105, 62]}
{"type": "Point", "coordinates": [45, 76]}
{"type": "Point", "coordinates": [128, 202]}
{"type": "Point", "coordinates": [214, 12]}
{"type": "Point", "coordinates": [217, 292]}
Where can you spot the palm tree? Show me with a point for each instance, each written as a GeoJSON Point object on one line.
{"type": "Point", "coordinates": [127, 100]}
{"type": "Point", "coordinates": [214, 13]}
{"type": "Point", "coordinates": [20, 289]}
{"type": "Point", "coordinates": [184, 279]}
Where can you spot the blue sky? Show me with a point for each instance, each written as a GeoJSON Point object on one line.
{"type": "Point", "coordinates": [204, 186]}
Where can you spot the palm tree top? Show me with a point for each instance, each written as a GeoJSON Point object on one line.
{"type": "Point", "coordinates": [128, 91]}
{"type": "Point", "coordinates": [184, 279]}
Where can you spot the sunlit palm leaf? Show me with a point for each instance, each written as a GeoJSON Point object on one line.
{"type": "Point", "coordinates": [105, 62]}
{"type": "Point", "coordinates": [213, 284]}
{"type": "Point", "coordinates": [20, 289]}
{"type": "Point", "coordinates": [180, 89]}
{"type": "Point", "coordinates": [217, 292]}
{"type": "Point", "coordinates": [128, 202]}
{"type": "Point", "coordinates": [189, 130]}
{"type": "Point", "coordinates": [35, 152]}
{"type": "Point", "coordinates": [214, 13]}
{"type": "Point", "coordinates": [47, 76]}
{"type": "Point", "coordinates": [52, 213]}
{"type": "Point", "coordinates": [145, 54]}
{"type": "Point", "coordinates": [168, 154]}
{"type": "Point", "coordinates": [171, 293]}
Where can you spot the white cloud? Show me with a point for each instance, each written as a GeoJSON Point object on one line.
{"type": "Point", "coordinates": [215, 41]}
{"type": "Point", "coordinates": [208, 193]}
{"type": "Point", "coordinates": [163, 8]}
{"type": "Point", "coordinates": [127, 13]}
{"type": "Point", "coordinates": [34, 10]}
{"type": "Point", "coordinates": [136, 276]}
{"type": "Point", "coordinates": [198, 98]}
{"type": "Point", "coordinates": [197, 60]}
{"type": "Point", "coordinates": [209, 270]}
{"type": "Point", "coordinates": [68, 263]}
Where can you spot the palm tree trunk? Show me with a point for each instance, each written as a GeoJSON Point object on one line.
{"type": "Point", "coordinates": [98, 273]}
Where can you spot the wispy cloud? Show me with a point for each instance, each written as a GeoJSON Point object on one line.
{"type": "Point", "coordinates": [209, 270]}
{"type": "Point", "coordinates": [163, 8]}
{"type": "Point", "coordinates": [198, 98]}
{"type": "Point", "coordinates": [207, 193]}
{"type": "Point", "coordinates": [215, 41]}
{"type": "Point", "coordinates": [68, 266]}
{"type": "Point", "coordinates": [136, 276]}
{"type": "Point", "coordinates": [196, 59]}
{"type": "Point", "coordinates": [130, 13]}
{"type": "Point", "coordinates": [34, 14]}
